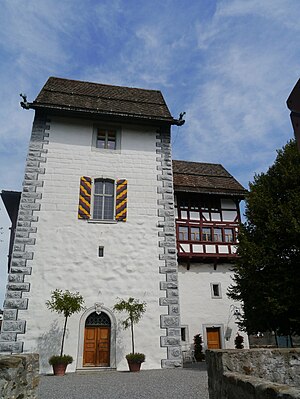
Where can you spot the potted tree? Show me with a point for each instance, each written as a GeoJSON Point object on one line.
{"type": "Point", "coordinates": [199, 356]}
{"type": "Point", "coordinates": [65, 303]}
{"type": "Point", "coordinates": [135, 310]}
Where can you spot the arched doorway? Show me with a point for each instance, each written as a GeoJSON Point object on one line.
{"type": "Point", "coordinates": [97, 336]}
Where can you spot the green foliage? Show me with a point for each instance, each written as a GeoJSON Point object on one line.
{"type": "Point", "coordinates": [134, 309]}
{"type": "Point", "coordinates": [136, 357]}
{"type": "Point", "coordinates": [66, 303]}
{"type": "Point", "coordinates": [198, 348]}
{"type": "Point", "coordinates": [65, 359]}
{"type": "Point", "coordinates": [238, 342]}
{"type": "Point", "coordinates": [267, 274]}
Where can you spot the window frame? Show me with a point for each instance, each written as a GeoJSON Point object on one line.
{"type": "Point", "coordinates": [107, 128]}
{"type": "Point", "coordinates": [219, 290]}
{"type": "Point", "coordinates": [186, 333]}
{"type": "Point", "coordinates": [226, 236]}
{"type": "Point", "coordinates": [92, 218]}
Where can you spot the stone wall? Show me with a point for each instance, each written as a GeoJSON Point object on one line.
{"type": "Point", "coordinates": [24, 241]}
{"type": "Point", "coordinates": [170, 319]}
{"type": "Point", "coordinates": [254, 373]}
{"type": "Point", "coordinates": [19, 376]}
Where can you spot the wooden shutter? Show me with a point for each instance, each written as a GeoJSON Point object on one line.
{"type": "Point", "coordinates": [121, 201]}
{"type": "Point", "coordinates": [84, 207]}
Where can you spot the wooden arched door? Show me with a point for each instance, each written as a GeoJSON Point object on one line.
{"type": "Point", "coordinates": [97, 340]}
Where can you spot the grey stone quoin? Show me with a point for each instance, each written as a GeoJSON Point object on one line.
{"type": "Point", "coordinates": [27, 217]}
{"type": "Point", "coordinates": [167, 240]}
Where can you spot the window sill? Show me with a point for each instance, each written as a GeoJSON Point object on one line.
{"type": "Point", "coordinates": [102, 221]}
{"type": "Point", "coordinates": [107, 150]}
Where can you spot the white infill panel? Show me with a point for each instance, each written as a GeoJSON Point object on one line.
{"type": "Point", "coordinates": [229, 216]}
{"type": "Point", "coordinates": [210, 249]}
{"type": "Point", "coordinates": [233, 249]}
{"type": "Point", "coordinates": [198, 248]}
{"type": "Point", "coordinates": [215, 216]}
{"type": "Point", "coordinates": [223, 249]}
{"type": "Point", "coordinates": [194, 215]}
{"type": "Point", "coordinates": [184, 248]}
{"type": "Point", "coordinates": [183, 214]}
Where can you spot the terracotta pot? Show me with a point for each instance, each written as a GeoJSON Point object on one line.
{"type": "Point", "coordinates": [134, 366]}
{"type": "Point", "coordinates": [59, 369]}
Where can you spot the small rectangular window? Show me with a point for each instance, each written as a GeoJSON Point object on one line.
{"type": "Point", "coordinates": [228, 235]}
{"type": "Point", "coordinates": [215, 290]}
{"type": "Point", "coordinates": [101, 252]}
{"type": "Point", "coordinates": [184, 330]}
{"type": "Point", "coordinates": [183, 334]}
{"type": "Point", "coordinates": [106, 139]}
{"type": "Point", "coordinates": [183, 233]}
{"type": "Point", "coordinates": [195, 234]}
{"type": "Point", "coordinates": [206, 234]}
{"type": "Point", "coordinates": [218, 234]}
{"type": "Point", "coordinates": [103, 206]}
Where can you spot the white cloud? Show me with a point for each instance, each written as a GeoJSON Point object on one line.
{"type": "Point", "coordinates": [237, 114]}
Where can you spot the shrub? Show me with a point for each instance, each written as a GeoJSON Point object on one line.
{"type": "Point", "coordinates": [199, 356]}
{"type": "Point", "coordinates": [65, 359]}
{"type": "Point", "coordinates": [238, 342]}
{"type": "Point", "coordinates": [136, 357]}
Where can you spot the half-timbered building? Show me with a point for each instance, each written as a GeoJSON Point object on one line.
{"type": "Point", "coordinates": [207, 215]}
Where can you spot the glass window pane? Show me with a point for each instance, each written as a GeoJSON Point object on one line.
{"type": "Point", "coordinates": [218, 234]}
{"type": "Point", "coordinates": [97, 209]}
{"type": "Point", "coordinates": [106, 139]}
{"type": "Point", "coordinates": [108, 208]}
{"type": "Point", "coordinates": [98, 187]}
{"type": "Point", "coordinates": [206, 234]}
{"type": "Point", "coordinates": [111, 144]}
{"type": "Point", "coordinates": [100, 142]}
{"type": "Point", "coordinates": [195, 233]}
{"type": "Point", "coordinates": [228, 235]}
{"type": "Point", "coordinates": [216, 290]}
{"type": "Point", "coordinates": [109, 188]}
{"type": "Point", "coordinates": [183, 233]}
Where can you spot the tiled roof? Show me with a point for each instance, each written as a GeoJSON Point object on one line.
{"type": "Point", "coordinates": [74, 95]}
{"type": "Point", "coordinates": [207, 178]}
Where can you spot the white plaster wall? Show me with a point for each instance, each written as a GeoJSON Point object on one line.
{"type": "Point", "coordinates": [197, 307]}
{"type": "Point", "coordinates": [66, 250]}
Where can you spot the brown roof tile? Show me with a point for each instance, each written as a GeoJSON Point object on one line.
{"type": "Point", "coordinates": [73, 95]}
{"type": "Point", "coordinates": [205, 178]}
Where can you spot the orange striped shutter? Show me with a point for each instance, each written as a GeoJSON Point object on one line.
{"type": "Point", "coordinates": [84, 207]}
{"type": "Point", "coordinates": [121, 201]}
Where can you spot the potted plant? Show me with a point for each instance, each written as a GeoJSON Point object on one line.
{"type": "Point", "coordinates": [60, 363]}
{"type": "Point", "coordinates": [199, 356]}
{"type": "Point", "coordinates": [135, 310]}
{"type": "Point", "coordinates": [66, 303]}
{"type": "Point", "coordinates": [238, 342]}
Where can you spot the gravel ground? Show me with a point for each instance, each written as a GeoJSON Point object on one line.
{"type": "Point", "coordinates": [190, 383]}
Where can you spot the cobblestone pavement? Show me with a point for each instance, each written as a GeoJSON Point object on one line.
{"type": "Point", "coordinates": [189, 383]}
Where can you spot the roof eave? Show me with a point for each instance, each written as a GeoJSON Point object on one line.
{"type": "Point", "coordinates": [103, 114]}
{"type": "Point", "coordinates": [200, 190]}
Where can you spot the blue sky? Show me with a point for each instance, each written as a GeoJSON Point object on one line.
{"type": "Point", "coordinates": [229, 64]}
